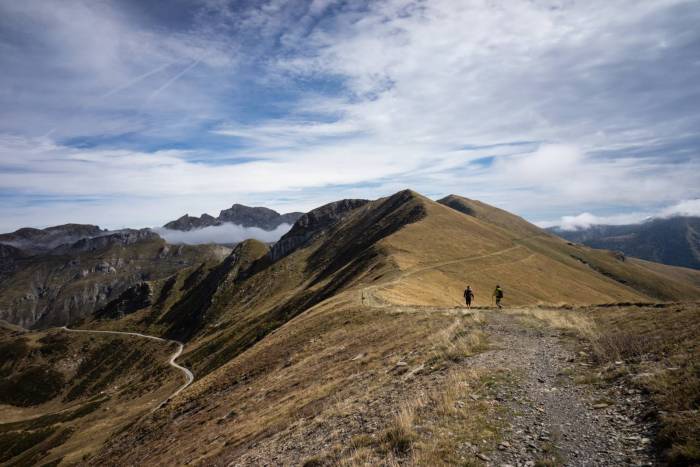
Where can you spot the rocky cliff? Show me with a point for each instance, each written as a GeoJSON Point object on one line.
{"type": "Point", "coordinates": [313, 223]}
{"type": "Point", "coordinates": [42, 288]}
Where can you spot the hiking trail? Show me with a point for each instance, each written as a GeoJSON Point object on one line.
{"type": "Point", "coordinates": [549, 415]}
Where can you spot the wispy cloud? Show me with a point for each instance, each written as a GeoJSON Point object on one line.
{"type": "Point", "coordinates": [179, 75]}
{"type": "Point", "coordinates": [543, 109]}
{"type": "Point", "coordinates": [135, 81]}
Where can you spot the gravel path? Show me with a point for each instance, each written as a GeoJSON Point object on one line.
{"type": "Point", "coordinates": [552, 420]}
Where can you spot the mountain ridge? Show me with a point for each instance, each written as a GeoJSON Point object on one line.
{"type": "Point", "coordinates": [674, 240]}
{"type": "Point", "coordinates": [239, 214]}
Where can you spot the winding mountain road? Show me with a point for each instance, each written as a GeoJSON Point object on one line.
{"type": "Point", "coordinates": [189, 377]}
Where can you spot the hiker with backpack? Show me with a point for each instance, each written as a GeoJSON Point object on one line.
{"type": "Point", "coordinates": [468, 296]}
{"type": "Point", "coordinates": [498, 294]}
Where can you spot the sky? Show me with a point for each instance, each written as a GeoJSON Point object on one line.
{"type": "Point", "coordinates": [135, 112]}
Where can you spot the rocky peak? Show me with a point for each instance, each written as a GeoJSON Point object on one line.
{"type": "Point", "coordinates": [246, 216]}
{"type": "Point", "coordinates": [313, 223]}
{"type": "Point", "coordinates": [187, 222]}
{"type": "Point", "coordinates": [239, 214]}
{"type": "Point", "coordinates": [41, 240]}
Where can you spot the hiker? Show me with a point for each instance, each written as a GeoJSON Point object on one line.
{"type": "Point", "coordinates": [468, 296]}
{"type": "Point", "coordinates": [498, 294]}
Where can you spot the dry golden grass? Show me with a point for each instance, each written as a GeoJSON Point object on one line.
{"type": "Point", "coordinates": [84, 423]}
{"type": "Point", "coordinates": [459, 340]}
{"type": "Point", "coordinates": [450, 418]}
{"type": "Point", "coordinates": [399, 435]}
{"type": "Point", "coordinates": [431, 429]}
{"type": "Point", "coordinates": [567, 320]}
{"type": "Point", "coordinates": [661, 351]}
{"type": "Point", "coordinates": [442, 253]}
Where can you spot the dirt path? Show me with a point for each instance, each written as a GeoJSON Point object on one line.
{"type": "Point", "coordinates": [189, 377]}
{"type": "Point", "coordinates": [550, 418]}
{"type": "Point", "coordinates": [368, 295]}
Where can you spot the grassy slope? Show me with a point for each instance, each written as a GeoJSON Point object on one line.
{"type": "Point", "coordinates": [84, 388]}
{"type": "Point", "coordinates": [292, 350]}
{"type": "Point", "coordinates": [434, 249]}
{"type": "Point", "coordinates": [661, 351]}
{"type": "Point", "coordinates": [561, 272]}
{"type": "Point", "coordinates": [448, 250]}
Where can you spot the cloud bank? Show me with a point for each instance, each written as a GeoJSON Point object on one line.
{"type": "Point", "coordinates": [586, 219]}
{"type": "Point", "coordinates": [224, 234]}
{"type": "Point", "coordinates": [135, 112]}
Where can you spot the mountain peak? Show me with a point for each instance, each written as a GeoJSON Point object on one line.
{"type": "Point", "coordinates": [491, 214]}
{"type": "Point", "coordinates": [239, 214]}
{"type": "Point", "coordinates": [312, 224]}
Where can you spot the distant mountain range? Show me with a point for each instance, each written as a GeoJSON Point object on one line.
{"type": "Point", "coordinates": [245, 216]}
{"type": "Point", "coordinates": [674, 241]}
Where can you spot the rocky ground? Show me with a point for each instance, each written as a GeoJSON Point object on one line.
{"type": "Point", "coordinates": [551, 420]}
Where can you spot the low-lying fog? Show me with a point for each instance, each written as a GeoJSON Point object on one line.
{"type": "Point", "coordinates": [226, 233]}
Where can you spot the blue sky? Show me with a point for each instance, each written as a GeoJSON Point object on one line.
{"type": "Point", "coordinates": [132, 113]}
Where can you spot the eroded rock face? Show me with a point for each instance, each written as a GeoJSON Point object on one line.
{"type": "Point", "coordinates": [8, 259]}
{"type": "Point", "coordinates": [72, 281]}
{"type": "Point", "coordinates": [121, 237]}
{"type": "Point", "coordinates": [312, 224]}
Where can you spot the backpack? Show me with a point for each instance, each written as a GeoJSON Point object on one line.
{"type": "Point", "coordinates": [499, 293]}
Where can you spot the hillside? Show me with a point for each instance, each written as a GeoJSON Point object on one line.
{"type": "Point", "coordinates": [62, 394]}
{"type": "Point", "coordinates": [357, 304]}
{"type": "Point", "coordinates": [674, 241]}
{"type": "Point", "coordinates": [54, 277]}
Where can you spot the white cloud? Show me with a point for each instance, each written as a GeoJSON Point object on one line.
{"type": "Point", "coordinates": [549, 163]}
{"type": "Point", "coordinates": [586, 220]}
{"type": "Point", "coordinates": [225, 233]}
{"type": "Point", "coordinates": [690, 207]}
{"type": "Point", "coordinates": [39, 164]}
{"type": "Point", "coordinates": [289, 133]}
